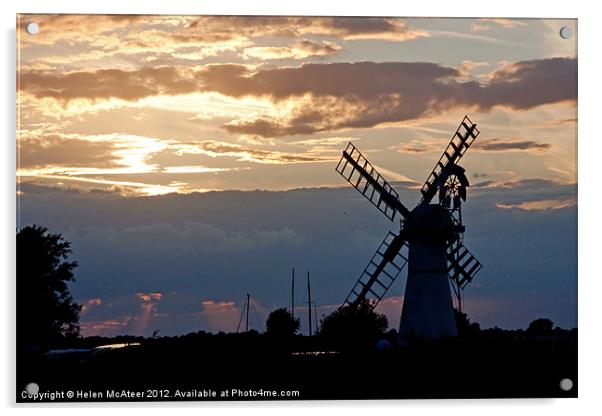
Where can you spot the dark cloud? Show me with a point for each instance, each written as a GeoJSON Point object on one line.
{"type": "Point", "coordinates": [341, 95]}
{"type": "Point", "coordinates": [361, 80]}
{"type": "Point", "coordinates": [317, 48]}
{"type": "Point", "coordinates": [501, 145]}
{"type": "Point", "coordinates": [394, 29]}
{"type": "Point", "coordinates": [365, 94]}
{"type": "Point", "coordinates": [106, 83]}
{"type": "Point", "coordinates": [533, 183]}
{"type": "Point", "coordinates": [266, 127]}
{"type": "Point", "coordinates": [528, 84]}
{"type": "Point", "coordinates": [418, 146]}
{"type": "Point", "coordinates": [216, 246]}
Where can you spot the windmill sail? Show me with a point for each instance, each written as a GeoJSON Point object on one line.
{"type": "Point", "coordinates": [360, 173]}
{"type": "Point", "coordinates": [462, 265]}
{"type": "Point", "coordinates": [462, 139]}
{"type": "Point", "coordinates": [380, 273]}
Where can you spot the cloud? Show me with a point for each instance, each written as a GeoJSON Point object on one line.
{"type": "Point", "coordinates": [145, 245]}
{"type": "Point", "coordinates": [418, 146]}
{"type": "Point", "coordinates": [89, 304]}
{"type": "Point", "coordinates": [540, 205]}
{"type": "Point", "coordinates": [365, 80]}
{"type": "Point", "coordinates": [479, 27]}
{"type": "Point", "coordinates": [180, 313]}
{"type": "Point", "coordinates": [503, 145]}
{"type": "Point", "coordinates": [415, 80]}
{"type": "Point", "coordinates": [325, 96]}
{"type": "Point", "coordinates": [220, 315]}
{"type": "Point", "coordinates": [148, 307]}
{"type": "Point", "coordinates": [104, 84]}
{"type": "Point", "coordinates": [530, 184]}
{"type": "Point", "coordinates": [564, 121]}
{"type": "Point", "coordinates": [505, 23]}
{"type": "Point", "coordinates": [346, 28]}
{"type": "Point", "coordinates": [89, 39]}
{"type": "Point", "coordinates": [300, 50]}
{"type": "Point", "coordinates": [71, 27]}
{"type": "Point", "coordinates": [527, 84]}
{"type": "Point", "coordinates": [103, 160]}
{"type": "Point", "coordinates": [149, 297]}
{"type": "Point", "coordinates": [61, 151]}
{"type": "Point", "coordinates": [215, 148]}
{"type": "Point", "coordinates": [365, 94]}
{"type": "Point", "coordinates": [105, 327]}
{"type": "Point", "coordinates": [168, 241]}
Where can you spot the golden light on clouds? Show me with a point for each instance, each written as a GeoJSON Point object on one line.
{"type": "Point", "coordinates": [539, 205]}
{"type": "Point", "coordinates": [150, 105]}
{"type": "Point", "coordinates": [220, 315]}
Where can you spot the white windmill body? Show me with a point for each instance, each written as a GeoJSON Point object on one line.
{"type": "Point", "coordinates": [427, 303]}
{"type": "Point", "coordinates": [429, 241]}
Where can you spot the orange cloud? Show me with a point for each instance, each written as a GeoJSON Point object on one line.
{"type": "Point", "coordinates": [88, 39]}
{"type": "Point", "coordinates": [72, 27]}
{"type": "Point", "coordinates": [105, 327]}
{"type": "Point", "coordinates": [505, 23]}
{"type": "Point", "coordinates": [541, 205]}
{"type": "Point", "coordinates": [90, 303]}
{"type": "Point", "coordinates": [148, 307]}
{"type": "Point", "coordinates": [148, 297]}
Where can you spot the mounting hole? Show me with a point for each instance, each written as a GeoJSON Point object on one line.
{"type": "Point", "coordinates": [32, 388]}
{"type": "Point", "coordinates": [566, 32]}
{"type": "Point", "coordinates": [566, 384]}
{"type": "Point", "coordinates": [32, 28]}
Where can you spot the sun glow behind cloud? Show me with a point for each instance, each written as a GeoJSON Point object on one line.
{"type": "Point", "coordinates": [213, 99]}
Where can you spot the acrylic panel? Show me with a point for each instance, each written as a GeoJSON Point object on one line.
{"type": "Point", "coordinates": [295, 208]}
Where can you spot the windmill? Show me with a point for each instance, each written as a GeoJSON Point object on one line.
{"type": "Point", "coordinates": [429, 241]}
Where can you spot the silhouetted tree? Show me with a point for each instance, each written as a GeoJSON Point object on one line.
{"type": "Point", "coordinates": [540, 326]}
{"type": "Point", "coordinates": [282, 323]}
{"type": "Point", "coordinates": [45, 309]}
{"type": "Point", "coordinates": [465, 327]}
{"type": "Point", "coordinates": [358, 325]}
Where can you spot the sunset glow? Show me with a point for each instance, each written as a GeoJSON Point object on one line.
{"type": "Point", "coordinates": [149, 105]}
{"type": "Point", "coordinates": [191, 159]}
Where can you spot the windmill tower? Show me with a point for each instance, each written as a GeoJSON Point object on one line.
{"type": "Point", "coordinates": [429, 240]}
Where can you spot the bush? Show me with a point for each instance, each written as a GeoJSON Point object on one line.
{"type": "Point", "coordinates": [282, 323]}
{"type": "Point", "coordinates": [354, 326]}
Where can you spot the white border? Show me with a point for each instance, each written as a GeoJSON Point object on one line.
{"type": "Point", "coordinates": [590, 288]}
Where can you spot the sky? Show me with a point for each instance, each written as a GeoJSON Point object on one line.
{"type": "Point", "coordinates": [190, 159]}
